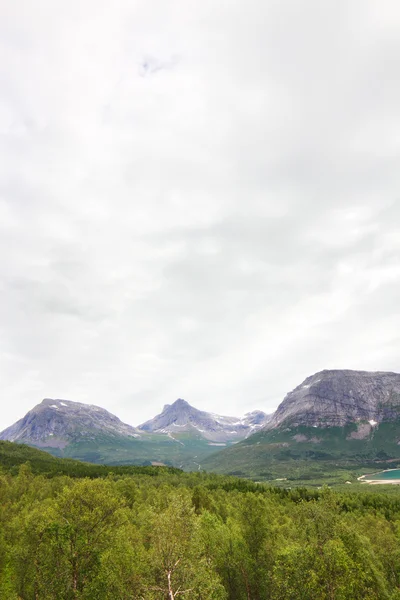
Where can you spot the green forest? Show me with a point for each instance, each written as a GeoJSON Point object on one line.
{"type": "Point", "coordinates": [70, 531]}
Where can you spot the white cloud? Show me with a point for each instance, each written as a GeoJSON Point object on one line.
{"type": "Point", "coordinates": [196, 200]}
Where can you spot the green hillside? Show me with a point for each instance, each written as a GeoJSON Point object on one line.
{"type": "Point", "coordinates": [13, 455]}
{"type": "Point", "coordinates": [185, 451]}
{"type": "Point", "coordinates": [309, 454]}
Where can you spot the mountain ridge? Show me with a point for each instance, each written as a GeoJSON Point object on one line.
{"type": "Point", "coordinates": [181, 416]}
{"type": "Point", "coordinates": [334, 417]}
{"type": "Point", "coordinates": [90, 433]}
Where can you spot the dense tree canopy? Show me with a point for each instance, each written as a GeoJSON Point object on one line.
{"type": "Point", "coordinates": [159, 535]}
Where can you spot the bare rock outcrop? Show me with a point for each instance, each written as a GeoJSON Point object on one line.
{"type": "Point", "coordinates": [336, 397]}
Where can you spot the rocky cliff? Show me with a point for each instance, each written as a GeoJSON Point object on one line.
{"type": "Point", "coordinates": [337, 397]}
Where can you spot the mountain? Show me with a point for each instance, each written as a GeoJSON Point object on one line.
{"type": "Point", "coordinates": [335, 420]}
{"type": "Point", "coordinates": [334, 398]}
{"type": "Point", "coordinates": [84, 432]}
{"type": "Point", "coordinates": [180, 417]}
{"type": "Point", "coordinates": [55, 423]}
{"type": "Point", "coordinates": [180, 436]}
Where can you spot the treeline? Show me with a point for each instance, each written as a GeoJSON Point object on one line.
{"type": "Point", "coordinates": [172, 535]}
{"type": "Point", "coordinates": [12, 455]}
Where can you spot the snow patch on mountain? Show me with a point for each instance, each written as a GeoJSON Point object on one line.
{"type": "Point", "coordinates": [211, 426]}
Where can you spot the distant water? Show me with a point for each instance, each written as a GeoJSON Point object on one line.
{"type": "Point", "coordinates": [394, 474]}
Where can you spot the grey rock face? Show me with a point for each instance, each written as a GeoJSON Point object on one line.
{"type": "Point", "coordinates": [181, 417]}
{"type": "Point", "coordinates": [55, 423]}
{"type": "Point", "coordinates": [334, 398]}
{"type": "Point", "coordinates": [256, 418]}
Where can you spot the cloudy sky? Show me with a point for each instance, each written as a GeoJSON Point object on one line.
{"type": "Point", "coordinates": [198, 199]}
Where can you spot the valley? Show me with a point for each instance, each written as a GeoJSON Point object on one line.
{"type": "Point", "coordinates": [333, 428]}
{"type": "Point", "coordinates": [180, 436]}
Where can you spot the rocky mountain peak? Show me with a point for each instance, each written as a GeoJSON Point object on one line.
{"type": "Point", "coordinates": [179, 405]}
{"type": "Point", "coordinates": [256, 417]}
{"type": "Point", "coordinates": [336, 397]}
{"type": "Point", "coordinates": [180, 402]}
{"type": "Point", "coordinates": [181, 417]}
{"type": "Point", "coordinates": [55, 423]}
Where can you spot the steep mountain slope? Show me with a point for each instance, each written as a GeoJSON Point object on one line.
{"type": "Point", "coordinates": [333, 420]}
{"type": "Point", "coordinates": [87, 432]}
{"type": "Point", "coordinates": [334, 398]}
{"type": "Point", "coordinates": [180, 417]}
{"type": "Point", "coordinates": [55, 423]}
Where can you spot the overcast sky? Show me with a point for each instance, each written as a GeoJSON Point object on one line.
{"type": "Point", "coordinates": [198, 199]}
